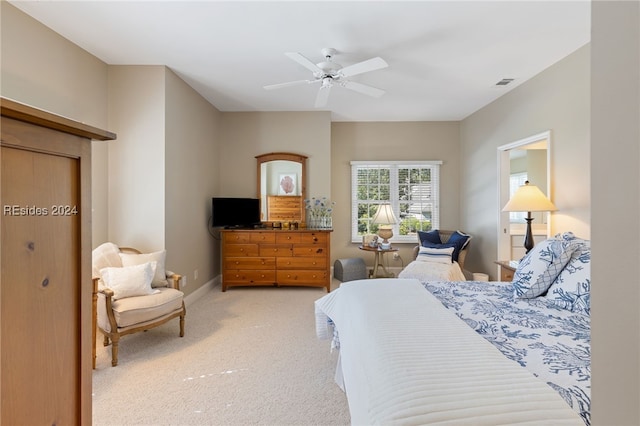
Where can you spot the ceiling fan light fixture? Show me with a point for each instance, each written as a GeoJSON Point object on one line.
{"type": "Point", "coordinates": [327, 82]}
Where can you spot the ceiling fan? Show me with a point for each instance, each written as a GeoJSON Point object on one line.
{"type": "Point", "coordinates": [329, 73]}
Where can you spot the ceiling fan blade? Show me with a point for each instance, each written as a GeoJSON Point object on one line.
{"type": "Point", "coordinates": [290, 83]}
{"type": "Point", "coordinates": [363, 88]}
{"type": "Point", "coordinates": [302, 60]}
{"type": "Point", "coordinates": [323, 96]}
{"type": "Point", "coordinates": [364, 66]}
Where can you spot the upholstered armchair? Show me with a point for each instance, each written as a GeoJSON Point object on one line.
{"type": "Point", "coordinates": [132, 292]}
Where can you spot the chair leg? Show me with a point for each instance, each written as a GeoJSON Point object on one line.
{"type": "Point", "coordinates": [181, 325]}
{"type": "Point", "coordinates": [105, 340]}
{"type": "Point", "coordinates": [114, 350]}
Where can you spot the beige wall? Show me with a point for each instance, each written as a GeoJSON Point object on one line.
{"type": "Point", "coordinates": [557, 99]}
{"type": "Point", "coordinates": [191, 178]}
{"type": "Point", "coordinates": [247, 134]}
{"type": "Point", "coordinates": [615, 185]}
{"type": "Point", "coordinates": [137, 158]}
{"type": "Point", "coordinates": [46, 71]}
{"type": "Point", "coordinates": [356, 141]}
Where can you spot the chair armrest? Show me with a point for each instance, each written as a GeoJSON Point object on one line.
{"type": "Point", "coordinates": [416, 250]}
{"type": "Point", "coordinates": [174, 280]}
{"type": "Point", "coordinates": [107, 294]}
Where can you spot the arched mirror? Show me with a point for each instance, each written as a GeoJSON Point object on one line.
{"type": "Point", "coordinates": [282, 186]}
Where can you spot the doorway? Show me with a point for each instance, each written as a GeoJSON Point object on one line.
{"type": "Point", "coordinates": [524, 159]}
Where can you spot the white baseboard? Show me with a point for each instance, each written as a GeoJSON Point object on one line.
{"type": "Point", "coordinates": [206, 287]}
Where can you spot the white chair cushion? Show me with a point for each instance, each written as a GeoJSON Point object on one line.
{"type": "Point", "coordinates": [129, 281]}
{"type": "Point", "coordinates": [104, 256]}
{"type": "Point", "coordinates": [160, 276]}
{"type": "Point", "coordinates": [136, 310]}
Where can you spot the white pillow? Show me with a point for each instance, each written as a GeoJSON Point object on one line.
{"type": "Point", "coordinates": [160, 276]}
{"type": "Point", "coordinates": [129, 281]}
{"type": "Point", "coordinates": [103, 256]}
{"type": "Point", "coordinates": [435, 255]}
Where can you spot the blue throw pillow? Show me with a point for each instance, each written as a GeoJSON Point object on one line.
{"type": "Point", "coordinates": [432, 237]}
{"type": "Point", "coordinates": [459, 241]}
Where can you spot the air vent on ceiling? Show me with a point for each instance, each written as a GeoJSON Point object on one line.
{"type": "Point", "coordinates": [504, 81]}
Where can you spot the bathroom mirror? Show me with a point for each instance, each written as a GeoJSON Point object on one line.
{"type": "Point", "coordinates": [282, 186]}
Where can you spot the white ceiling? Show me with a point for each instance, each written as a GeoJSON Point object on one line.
{"type": "Point", "coordinates": [444, 57]}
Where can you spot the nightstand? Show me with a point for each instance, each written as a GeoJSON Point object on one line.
{"type": "Point", "coordinates": [507, 269]}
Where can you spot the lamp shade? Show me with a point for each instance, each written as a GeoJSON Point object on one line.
{"type": "Point", "coordinates": [529, 198]}
{"type": "Point", "coordinates": [384, 215]}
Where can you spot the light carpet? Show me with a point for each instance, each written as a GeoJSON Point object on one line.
{"type": "Point", "coordinates": [249, 357]}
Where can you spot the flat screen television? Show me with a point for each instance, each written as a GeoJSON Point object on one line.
{"type": "Point", "coordinates": [235, 212]}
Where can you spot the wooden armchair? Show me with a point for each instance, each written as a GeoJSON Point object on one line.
{"type": "Point", "coordinates": [132, 292]}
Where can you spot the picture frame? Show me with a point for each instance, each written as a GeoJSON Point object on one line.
{"type": "Point", "coordinates": [288, 184]}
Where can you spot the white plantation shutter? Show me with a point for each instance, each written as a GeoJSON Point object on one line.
{"type": "Point", "coordinates": [411, 187]}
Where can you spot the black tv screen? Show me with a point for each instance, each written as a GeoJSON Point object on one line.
{"type": "Point", "coordinates": [235, 212]}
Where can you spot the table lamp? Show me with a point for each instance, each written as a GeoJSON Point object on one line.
{"type": "Point", "coordinates": [529, 198]}
{"type": "Point", "coordinates": [385, 218]}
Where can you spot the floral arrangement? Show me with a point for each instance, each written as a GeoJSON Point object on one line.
{"type": "Point", "coordinates": [319, 207]}
{"type": "Point", "coordinates": [320, 210]}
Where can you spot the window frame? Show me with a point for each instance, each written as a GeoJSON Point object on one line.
{"type": "Point", "coordinates": [394, 194]}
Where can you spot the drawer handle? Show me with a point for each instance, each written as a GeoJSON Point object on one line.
{"type": "Point", "coordinates": [315, 263]}
{"type": "Point", "coordinates": [237, 263]}
{"type": "Point", "coordinates": [241, 249]}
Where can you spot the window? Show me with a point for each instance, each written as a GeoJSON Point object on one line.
{"type": "Point", "coordinates": [516, 180]}
{"type": "Point", "coordinates": [412, 189]}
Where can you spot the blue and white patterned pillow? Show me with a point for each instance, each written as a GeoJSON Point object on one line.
{"type": "Point", "coordinates": [571, 290]}
{"type": "Point", "coordinates": [541, 266]}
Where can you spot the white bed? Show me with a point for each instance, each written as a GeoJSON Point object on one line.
{"type": "Point", "coordinates": [430, 351]}
{"type": "Point", "coordinates": [406, 359]}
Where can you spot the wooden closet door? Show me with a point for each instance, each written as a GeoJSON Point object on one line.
{"type": "Point", "coordinates": [40, 288]}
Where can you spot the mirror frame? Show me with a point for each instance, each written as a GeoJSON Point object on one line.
{"type": "Point", "coordinates": [285, 156]}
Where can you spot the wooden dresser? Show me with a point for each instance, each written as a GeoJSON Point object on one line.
{"type": "Point", "coordinates": [271, 257]}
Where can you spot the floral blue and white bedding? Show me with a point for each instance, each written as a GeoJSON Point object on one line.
{"type": "Point", "coordinates": [551, 342]}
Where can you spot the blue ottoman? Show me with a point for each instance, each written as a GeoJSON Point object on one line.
{"type": "Point", "coordinates": [349, 269]}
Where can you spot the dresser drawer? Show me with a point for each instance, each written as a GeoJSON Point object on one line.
{"type": "Point", "coordinates": [262, 237]}
{"type": "Point", "coordinates": [288, 237]}
{"type": "Point", "coordinates": [301, 262]}
{"type": "Point", "coordinates": [275, 250]}
{"type": "Point", "coordinates": [235, 250]}
{"type": "Point", "coordinates": [249, 277]}
{"type": "Point", "coordinates": [231, 263]}
{"type": "Point", "coordinates": [310, 250]}
{"type": "Point", "coordinates": [232, 237]}
{"type": "Point", "coordinates": [302, 277]}
{"type": "Point", "coordinates": [314, 238]}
